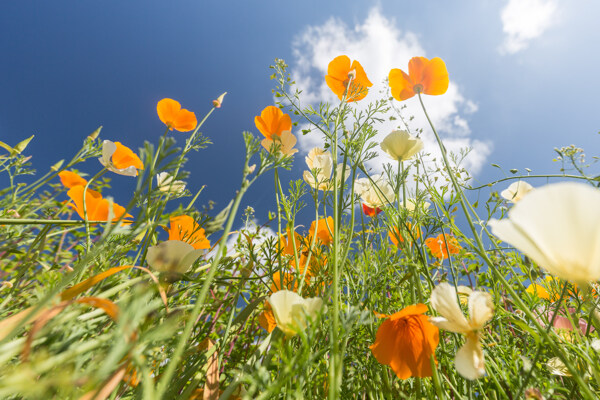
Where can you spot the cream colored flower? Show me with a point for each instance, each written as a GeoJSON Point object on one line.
{"type": "Point", "coordinates": [516, 191]}
{"type": "Point", "coordinates": [375, 193]}
{"type": "Point", "coordinates": [557, 367]}
{"type": "Point", "coordinates": [411, 205]}
{"type": "Point", "coordinates": [401, 145]}
{"type": "Point", "coordinates": [469, 360]}
{"type": "Point", "coordinates": [558, 226]}
{"type": "Point", "coordinates": [166, 183]}
{"type": "Point", "coordinates": [172, 256]}
{"type": "Point", "coordinates": [292, 312]}
{"type": "Point", "coordinates": [286, 143]}
{"type": "Point", "coordinates": [321, 163]}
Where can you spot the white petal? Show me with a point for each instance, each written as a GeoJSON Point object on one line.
{"type": "Point", "coordinates": [481, 309]}
{"type": "Point", "coordinates": [469, 360]}
{"type": "Point", "coordinates": [129, 171]}
{"type": "Point", "coordinates": [443, 300]}
{"type": "Point", "coordinates": [558, 226]}
{"type": "Point", "coordinates": [108, 149]}
{"type": "Point", "coordinates": [170, 256]}
{"type": "Point", "coordinates": [291, 310]}
{"type": "Point", "coordinates": [516, 191]}
{"type": "Point", "coordinates": [443, 323]}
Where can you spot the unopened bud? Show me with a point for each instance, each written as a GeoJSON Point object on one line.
{"type": "Point", "coordinates": [219, 101]}
{"type": "Point", "coordinates": [94, 135]}
{"type": "Point", "coordinates": [251, 168]}
{"type": "Point", "coordinates": [57, 166]}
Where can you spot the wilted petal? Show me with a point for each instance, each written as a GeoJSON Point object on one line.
{"type": "Point", "coordinates": [469, 360]}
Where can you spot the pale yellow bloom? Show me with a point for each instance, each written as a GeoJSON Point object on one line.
{"type": "Point", "coordinates": [172, 256]}
{"type": "Point", "coordinates": [292, 312]}
{"type": "Point", "coordinates": [558, 226]}
{"type": "Point", "coordinates": [286, 143]}
{"type": "Point", "coordinates": [376, 193]}
{"type": "Point", "coordinates": [321, 163]}
{"type": "Point", "coordinates": [401, 145]}
{"type": "Point", "coordinates": [469, 360]}
{"type": "Point", "coordinates": [516, 191]}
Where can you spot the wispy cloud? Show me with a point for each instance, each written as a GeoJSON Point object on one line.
{"type": "Point", "coordinates": [525, 20]}
{"type": "Point", "coordinates": [379, 46]}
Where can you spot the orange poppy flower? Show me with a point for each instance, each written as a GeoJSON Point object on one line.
{"type": "Point", "coordinates": [371, 212]}
{"type": "Point", "coordinates": [266, 319]}
{"type": "Point", "coordinates": [323, 226]}
{"type": "Point", "coordinates": [186, 229]}
{"type": "Point", "coordinates": [272, 121]}
{"type": "Point", "coordinates": [286, 244]}
{"type": "Point", "coordinates": [97, 208]}
{"type": "Point", "coordinates": [340, 71]}
{"type": "Point", "coordinates": [171, 114]}
{"type": "Point", "coordinates": [396, 237]}
{"type": "Point", "coordinates": [70, 179]}
{"type": "Point", "coordinates": [424, 76]}
{"type": "Point", "coordinates": [405, 341]}
{"type": "Point", "coordinates": [120, 159]}
{"type": "Point", "coordinates": [437, 246]}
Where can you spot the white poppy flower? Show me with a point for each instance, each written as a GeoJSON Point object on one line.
{"type": "Point", "coordinates": [166, 183]}
{"type": "Point", "coordinates": [558, 226]}
{"type": "Point", "coordinates": [172, 256]}
{"type": "Point", "coordinates": [291, 310]}
{"type": "Point", "coordinates": [286, 143]}
{"type": "Point", "coordinates": [469, 360]}
{"type": "Point", "coordinates": [120, 159]}
{"type": "Point", "coordinates": [376, 193]}
{"type": "Point", "coordinates": [321, 162]}
{"type": "Point", "coordinates": [516, 191]}
{"type": "Point", "coordinates": [401, 145]}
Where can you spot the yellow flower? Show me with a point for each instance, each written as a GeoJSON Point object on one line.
{"type": "Point", "coordinates": [401, 145]}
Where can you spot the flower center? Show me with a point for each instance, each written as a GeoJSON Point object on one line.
{"type": "Point", "coordinates": [418, 88]}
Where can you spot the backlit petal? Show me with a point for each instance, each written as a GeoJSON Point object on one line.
{"type": "Point", "coordinates": [469, 360]}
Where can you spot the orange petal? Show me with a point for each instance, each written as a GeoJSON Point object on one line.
{"type": "Point", "coordinates": [400, 85]}
{"type": "Point", "coordinates": [167, 110]}
{"type": "Point", "coordinates": [70, 179]}
{"type": "Point", "coordinates": [339, 68]}
{"type": "Point", "coordinates": [435, 77]}
{"type": "Point", "coordinates": [186, 229]}
{"type": "Point", "coordinates": [337, 86]}
{"type": "Point", "coordinates": [124, 157]}
{"type": "Point", "coordinates": [185, 121]}
{"type": "Point", "coordinates": [416, 69]}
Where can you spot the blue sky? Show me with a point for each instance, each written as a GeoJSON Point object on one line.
{"type": "Point", "coordinates": [523, 75]}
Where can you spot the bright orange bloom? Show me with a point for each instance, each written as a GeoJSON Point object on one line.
{"type": "Point", "coordinates": [424, 76]}
{"type": "Point", "coordinates": [396, 237]}
{"type": "Point", "coordinates": [339, 73]}
{"type": "Point", "coordinates": [437, 245]}
{"type": "Point", "coordinates": [186, 229]}
{"type": "Point", "coordinates": [175, 117]}
{"type": "Point", "coordinates": [70, 179]}
{"type": "Point", "coordinates": [272, 121]}
{"type": "Point", "coordinates": [124, 157]}
{"type": "Point", "coordinates": [371, 212]}
{"type": "Point", "coordinates": [97, 208]}
{"type": "Point", "coordinates": [405, 341]}
{"type": "Point", "coordinates": [323, 227]}
{"type": "Point", "coordinates": [287, 246]}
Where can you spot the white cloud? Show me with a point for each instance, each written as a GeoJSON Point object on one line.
{"type": "Point", "coordinates": [380, 46]}
{"type": "Point", "coordinates": [525, 20]}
